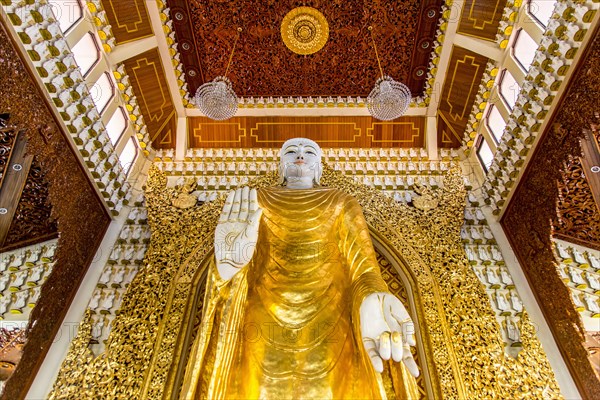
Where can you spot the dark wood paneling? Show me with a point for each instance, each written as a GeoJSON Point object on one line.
{"type": "Point", "coordinates": [346, 66]}
{"type": "Point", "coordinates": [463, 78]}
{"type": "Point", "coordinates": [129, 19]}
{"type": "Point", "coordinates": [81, 218]}
{"type": "Point", "coordinates": [481, 18]}
{"type": "Point", "coordinates": [527, 220]}
{"type": "Point", "coordinates": [147, 78]}
{"type": "Point", "coordinates": [269, 132]}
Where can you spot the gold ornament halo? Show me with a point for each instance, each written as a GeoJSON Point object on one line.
{"type": "Point", "coordinates": [304, 30]}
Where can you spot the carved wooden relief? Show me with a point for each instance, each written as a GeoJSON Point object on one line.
{"type": "Point", "coordinates": [129, 19]}
{"type": "Point", "coordinates": [465, 71]}
{"type": "Point", "coordinates": [32, 222]}
{"type": "Point", "coordinates": [264, 66]}
{"type": "Point", "coordinates": [80, 215]}
{"type": "Point", "coordinates": [7, 138]}
{"type": "Point", "coordinates": [328, 131]}
{"type": "Point", "coordinates": [578, 218]}
{"type": "Point", "coordinates": [149, 84]}
{"type": "Point", "coordinates": [481, 18]}
{"type": "Point", "coordinates": [527, 220]}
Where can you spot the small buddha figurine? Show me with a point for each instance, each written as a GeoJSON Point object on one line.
{"type": "Point", "coordinates": [297, 307]}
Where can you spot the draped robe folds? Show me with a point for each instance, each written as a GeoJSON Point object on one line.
{"type": "Point", "coordinates": [287, 324]}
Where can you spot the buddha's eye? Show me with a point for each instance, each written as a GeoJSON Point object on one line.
{"type": "Point", "coordinates": [290, 152]}
{"type": "Point", "coordinates": [312, 153]}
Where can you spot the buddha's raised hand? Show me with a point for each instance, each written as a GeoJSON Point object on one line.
{"type": "Point", "coordinates": [237, 232]}
{"type": "Point", "coordinates": [387, 331]}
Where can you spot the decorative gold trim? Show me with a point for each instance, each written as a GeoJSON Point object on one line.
{"type": "Point", "coordinates": [304, 30]}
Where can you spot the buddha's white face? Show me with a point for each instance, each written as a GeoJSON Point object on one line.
{"type": "Point", "coordinates": [300, 158]}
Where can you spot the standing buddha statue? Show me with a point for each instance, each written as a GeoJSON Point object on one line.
{"type": "Point", "coordinates": [296, 306]}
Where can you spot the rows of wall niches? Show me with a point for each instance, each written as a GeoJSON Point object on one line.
{"type": "Point", "coordinates": [487, 262]}
{"type": "Point", "coordinates": [49, 52]}
{"type": "Point", "coordinates": [22, 274]}
{"type": "Point", "coordinates": [123, 263]}
{"type": "Point", "coordinates": [580, 271]}
{"type": "Point", "coordinates": [395, 171]}
{"type": "Point", "coordinates": [562, 39]}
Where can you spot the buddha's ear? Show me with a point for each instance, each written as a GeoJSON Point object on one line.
{"type": "Point", "coordinates": [318, 173]}
{"type": "Point", "coordinates": [281, 178]}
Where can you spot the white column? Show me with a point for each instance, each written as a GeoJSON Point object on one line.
{"type": "Point", "coordinates": [165, 56]}
{"type": "Point", "coordinates": [431, 138]}
{"type": "Point", "coordinates": [127, 50]}
{"type": "Point", "coordinates": [181, 146]}
{"type": "Point", "coordinates": [479, 46]}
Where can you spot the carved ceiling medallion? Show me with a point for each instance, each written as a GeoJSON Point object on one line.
{"type": "Point", "coordinates": [304, 30]}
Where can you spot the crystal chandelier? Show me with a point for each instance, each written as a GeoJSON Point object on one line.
{"type": "Point", "coordinates": [216, 99]}
{"type": "Point", "coordinates": [388, 99]}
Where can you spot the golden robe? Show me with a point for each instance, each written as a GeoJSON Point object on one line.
{"type": "Point", "coordinates": [287, 325]}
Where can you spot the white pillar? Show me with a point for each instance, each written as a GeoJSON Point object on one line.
{"type": "Point", "coordinates": [431, 138]}
{"type": "Point", "coordinates": [127, 50]}
{"type": "Point", "coordinates": [181, 146]}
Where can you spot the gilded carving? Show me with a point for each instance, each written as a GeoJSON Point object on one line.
{"type": "Point", "coordinates": [304, 30]}
{"type": "Point", "coordinates": [462, 345]}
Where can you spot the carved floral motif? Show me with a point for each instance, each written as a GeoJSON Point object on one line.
{"type": "Point", "coordinates": [32, 222]}
{"type": "Point", "coordinates": [578, 218]}
{"type": "Point", "coordinates": [346, 66]}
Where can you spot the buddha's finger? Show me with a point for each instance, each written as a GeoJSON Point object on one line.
{"type": "Point", "coordinates": [396, 340]}
{"type": "Point", "coordinates": [385, 346]}
{"type": "Point", "coordinates": [254, 218]}
{"type": "Point", "coordinates": [244, 205]}
{"type": "Point", "coordinates": [235, 208]}
{"type": "Point", "coordinates": [410, 363]}
{"type": "Point", "coordinates": [371, 349]}
{"type": "Point", "coordinates": [227, 207]}
{"type": "Point", "coordinates": [253, 203]}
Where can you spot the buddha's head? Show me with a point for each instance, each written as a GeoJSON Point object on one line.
{"type": "Point", "coordinates": [300, 159]}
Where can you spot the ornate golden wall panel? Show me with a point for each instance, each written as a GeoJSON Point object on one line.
{"type": "Point", "coordinates": [461, 350]}
{"type": "Point", "coordinates": [328, 131]}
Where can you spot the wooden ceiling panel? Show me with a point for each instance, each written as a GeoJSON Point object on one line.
{"type": "Point", "coordinates": [336, 132]}
{"type": "Point", "coordinates": [481, 18]}
{"type": "Point", "coordinates": [465, 71]}
{"type": "Point", "coordinates": [129, 19]}
{"type": "Point", "coordinates": [150, 87]}
{"type": "Point", "coordinates": [346, 66]}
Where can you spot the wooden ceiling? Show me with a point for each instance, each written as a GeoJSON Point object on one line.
{"type": "Point", "coordinates": [346, 66]}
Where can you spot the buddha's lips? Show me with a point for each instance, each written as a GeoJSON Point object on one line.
{"type": "Point", "coordinates": [299, 162]}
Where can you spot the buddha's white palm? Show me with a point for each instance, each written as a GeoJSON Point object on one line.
{"type": "Point", "coordinates": [237, 232]}
{"type": "Point", "coordinates": [387, 331]}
